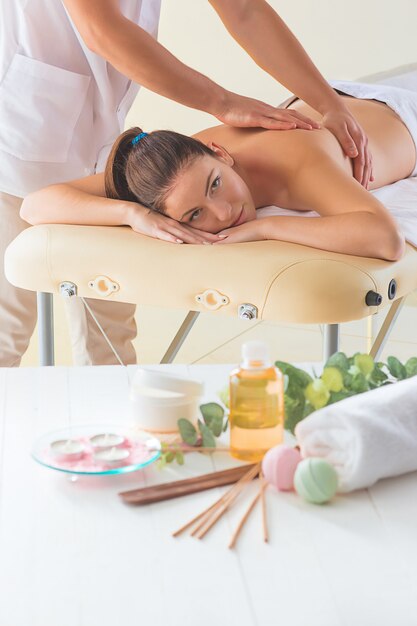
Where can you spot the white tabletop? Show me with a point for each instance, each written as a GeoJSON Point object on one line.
{"type": "Point", "coordinates": [73, 554]}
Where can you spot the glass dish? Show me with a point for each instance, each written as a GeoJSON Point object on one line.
{"type": "Point", "coordinates": [143, 449]}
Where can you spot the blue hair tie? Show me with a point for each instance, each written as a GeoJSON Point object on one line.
{"type": "Point", "coordinates": [136, 139]}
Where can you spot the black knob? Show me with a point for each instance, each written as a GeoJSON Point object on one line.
{"type": "Point", "coordinates": [392, 289]}
{"type": "Point", "coordinates": [373, 298]}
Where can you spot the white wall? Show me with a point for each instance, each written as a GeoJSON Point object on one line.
{"type": "Point", "coordinates": [345, 39]}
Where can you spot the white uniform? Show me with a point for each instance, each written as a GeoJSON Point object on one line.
{"type": "Point", "coordinates": [61, 108]}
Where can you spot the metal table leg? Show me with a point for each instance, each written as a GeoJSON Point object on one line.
{"type": "Point", "coordinates": [46, 328]}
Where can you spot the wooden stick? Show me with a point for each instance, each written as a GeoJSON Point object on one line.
{"type": "Point", "coordinates": [263, 503]}
{"type": "Point", "coordinates": [165, 491]}
{"type": "Point", "coordinates": [204, 449]}
{"type": "Point", "coordinates": [223, 503]}
{"type": "Point", "coordinates": [243, 520]}
{"type": "Point", "coordinates": [234, 492]}
{"type": "Point", "coordinates": [260, 495]}
{"type": "Point", "coordinates": [206, 512]}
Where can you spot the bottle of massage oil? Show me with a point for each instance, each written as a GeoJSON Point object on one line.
{"type": "Point", "coordinates": [256, 404]}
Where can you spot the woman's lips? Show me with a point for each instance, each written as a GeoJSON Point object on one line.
{"type": "Point", "coordinates": [240, 219]}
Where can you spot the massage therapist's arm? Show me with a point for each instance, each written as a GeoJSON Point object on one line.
{"type": "Point", "coordinates": [279, 53]}
{"type": "Point", "coordinates": [132, 51]}
{"type": "Point", "coordinates": [352, 221]}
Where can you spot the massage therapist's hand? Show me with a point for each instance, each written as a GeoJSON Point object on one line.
{"type": "Point", "coordinates": [248, 112]}
{"type": "Point", "coordinates": [143, 220]}
{"type": "Point", "coordinates": [353, 141]}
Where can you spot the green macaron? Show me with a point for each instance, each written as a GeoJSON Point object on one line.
{"type": "Point", "coordinates": [315, 480]}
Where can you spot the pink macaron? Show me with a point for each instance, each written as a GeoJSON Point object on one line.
{"type": "Point", "coordinates": [279, 465]}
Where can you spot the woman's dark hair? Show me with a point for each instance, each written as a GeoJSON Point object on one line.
{"type": "Point", "coordinates": [146, 171]}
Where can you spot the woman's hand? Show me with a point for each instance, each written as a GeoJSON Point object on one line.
{"type": "Point", "coordinates": [249, 231]}
{"type": "Point", "coordinates": [248, 112]}
{"type": "Point", "coordinates": [353, 141]}
{"type": "Point", "coordinates": [143, 220]}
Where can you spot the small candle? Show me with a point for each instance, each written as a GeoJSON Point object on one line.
{"type": "Point", "coordinates": [111, 455]}
{"type": "Point", "coordinates": [106, 440]}
{"type": "Point", "coordinates": [67, 449]}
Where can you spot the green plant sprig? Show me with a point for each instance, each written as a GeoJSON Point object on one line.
{"type": "Point", "coordinates": [214, 423]}
{"type": "Point", "coordinates": [341, 378]}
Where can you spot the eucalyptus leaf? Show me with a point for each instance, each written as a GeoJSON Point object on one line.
{"type": "Point", "coordinates": [187, 431]}
{"type": "Point", "coordinates": [359, 383]}
{"type": "Point", "coordinates": [333, 378]}
{"type": "Point", "coordinates": [179, 457]}
{"type": "Point", "coordinates": [216, 426]}
{"type": "Point", "coordinates": [295, 374]}
{"type": "Point", "coordinates": [210, 411]}
{"type": "Point", "coordinates": [208, 439]}
{"type": "Point", "coordinates": [161, 462]}
{"type": "Point", "coordinates": [317, 393]}
{"type": "Point", "coordinates": [294, 408]}
{"type": "Point", "coordinates": [377, 376]}
{"type": "Point", "coordinates": [411, 367]}
{"type": "Point", "coordinates": [365, 363]}
{"type": "Point", "coordinates": [336, 396]}
{"type": "Point", "coordinates": [396, 368]}
{"type": "Point", "coordinates": [338, 359]}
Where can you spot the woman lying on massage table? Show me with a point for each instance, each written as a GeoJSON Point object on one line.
{"type": "Point", "coordinates": [207, 189]}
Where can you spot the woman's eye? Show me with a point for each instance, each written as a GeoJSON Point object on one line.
{"type": "Point", "coordinates": [195, 215]}
{"type": "Point", "coordinates": [215, 183]}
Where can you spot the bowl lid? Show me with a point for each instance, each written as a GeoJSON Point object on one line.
{"type": "Point", "coordinates": [169, 382]}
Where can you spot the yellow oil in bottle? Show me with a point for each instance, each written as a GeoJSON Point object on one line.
{"type": "Point", "coordinates": [256, 416]}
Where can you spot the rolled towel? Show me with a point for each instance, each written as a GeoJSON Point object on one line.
{"type": "Point", "coordinates": [366, 437]}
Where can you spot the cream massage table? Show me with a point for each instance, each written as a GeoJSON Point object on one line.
{"type": "Point", "coordinates": [268, 280]}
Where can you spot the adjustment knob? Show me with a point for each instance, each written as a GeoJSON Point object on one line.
{"type": "Point", "coordinates": [373, 298]}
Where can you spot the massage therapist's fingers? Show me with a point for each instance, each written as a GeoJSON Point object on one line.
{"type": "Point", "coordinates": [362, 163]}
{"type": "Point", "coordinates": [248, 112]}
{"type": "Point", "coordinates": [299, 117]}
{"type": "Point", "coordinates": [283, 119]}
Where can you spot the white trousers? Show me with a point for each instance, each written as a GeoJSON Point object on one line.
{"type": "Point", "coordinates": [18, 312]}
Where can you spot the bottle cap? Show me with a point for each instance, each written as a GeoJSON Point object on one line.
{"type": "Point", "coordinates": [255, 354]}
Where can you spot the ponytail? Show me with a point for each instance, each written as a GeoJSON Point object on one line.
{"type": "Point", "coordinates": [115, 182]}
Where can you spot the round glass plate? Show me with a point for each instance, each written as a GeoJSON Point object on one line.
{"type": "Point", "coordinates": [138, 449]}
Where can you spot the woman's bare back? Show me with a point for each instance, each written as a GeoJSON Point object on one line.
{"type": "Point", "coordinates": [390, 142]}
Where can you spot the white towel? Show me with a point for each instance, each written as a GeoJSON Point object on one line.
{"type": "Point", "coordinates": [366, 437]}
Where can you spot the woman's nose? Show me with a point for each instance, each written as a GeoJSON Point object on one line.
{"type": "Point", "coordinates": [223, 211]}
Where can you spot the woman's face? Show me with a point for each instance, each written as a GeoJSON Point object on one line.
{"type": "Point", "coordinates": [210, 195]}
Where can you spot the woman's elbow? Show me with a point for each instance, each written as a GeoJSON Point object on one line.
{"type": "Point", "coordinates": [26, 212]}
{"type": "Point", "coordinates": [395, 247]}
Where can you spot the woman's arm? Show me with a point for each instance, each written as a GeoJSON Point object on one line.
{"type": "Point", "coordinates": [352, 220]}
{"type": "Point", "coordinates": [84, 202]}
{"type": "Point", "coordinates": [81, 201]}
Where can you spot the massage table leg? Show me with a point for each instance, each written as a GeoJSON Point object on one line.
{"type": "Point", "coordinates": [330, 340]}
{"type": "Point", "coordinates": [180, 337]}
{"type": "Point", "coordinates": [46, 328]}
{"type": "Point", "coordinates": [330, 334]}
{"type": "Point", "coordinates": [386, 328]}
